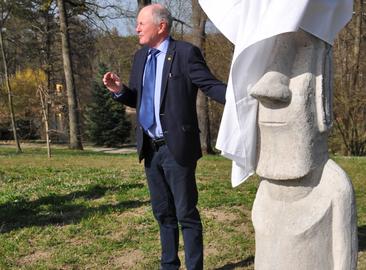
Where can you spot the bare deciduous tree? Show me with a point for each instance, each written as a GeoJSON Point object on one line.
{"type": "Point", "coordinates": [74, 117]}
{"type": "Point", "coordinates": [44, 96]}
{"type": "Point", "coordinates": [198, 38]}
{"type": "Point", "coordinates": [5, 13]}
{"type": "Point", "coordinates": [142, 3]}
{"type": "Point", "coordinates": [350, 97]}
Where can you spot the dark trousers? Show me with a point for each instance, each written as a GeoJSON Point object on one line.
{"type": "Point", "coordinates": [174, 196]}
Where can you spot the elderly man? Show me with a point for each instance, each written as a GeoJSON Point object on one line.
{"type": "Point", "coordinates": [163, 87]}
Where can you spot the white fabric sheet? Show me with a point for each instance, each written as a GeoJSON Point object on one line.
{"type": "Point", "coordinates": [251, 25]}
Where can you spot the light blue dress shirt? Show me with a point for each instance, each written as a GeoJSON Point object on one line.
{"type": "Point", "coordinates": [156, 130]}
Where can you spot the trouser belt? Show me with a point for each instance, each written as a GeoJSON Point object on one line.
{"type": "Point", "coordinates": [157, 143]}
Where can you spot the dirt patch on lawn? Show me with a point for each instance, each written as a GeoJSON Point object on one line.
{"type": "Point", "coordinates": [223, 215]}
{"type": "Point", "coordinates": [34, 257]}
{"type": "Point", "coordinates": [128, 259]}
{"type": "Point", "coordinates": [135, 212]}
{"type": "Point", "coordinates": [239, 216]}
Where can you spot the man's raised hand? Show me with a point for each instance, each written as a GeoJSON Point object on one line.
{"type": "Point", "coordinates": [112, 82]}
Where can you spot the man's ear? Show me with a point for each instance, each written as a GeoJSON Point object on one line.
{"type": "Point", "coordinates": [163, 27]}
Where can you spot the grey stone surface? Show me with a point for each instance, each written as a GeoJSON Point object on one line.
{"type": "Point", "coordinates": [304, 213]}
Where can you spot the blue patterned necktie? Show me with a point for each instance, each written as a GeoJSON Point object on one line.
{"type": "Point", "coordinates": [147, 114]}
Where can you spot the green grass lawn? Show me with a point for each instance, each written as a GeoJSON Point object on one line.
{"type": "Point", "coordinates": [87, 210]}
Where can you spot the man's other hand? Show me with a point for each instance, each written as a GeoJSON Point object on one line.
{"type": "Point", "coordinates": [112, 82]}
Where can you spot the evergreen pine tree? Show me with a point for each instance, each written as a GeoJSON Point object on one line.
{"type": "Point", "coordinates": [106, 122]}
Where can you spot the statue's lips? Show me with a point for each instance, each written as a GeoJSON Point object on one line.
{"type": "Point", "coordinates": [272, 123]}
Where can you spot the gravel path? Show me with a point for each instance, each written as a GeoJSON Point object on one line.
{"type": "Point", "coordinates": [111, 150]}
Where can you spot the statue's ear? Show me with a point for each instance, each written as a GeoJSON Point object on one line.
{"type": "Point", "coordinates": [324, 89]}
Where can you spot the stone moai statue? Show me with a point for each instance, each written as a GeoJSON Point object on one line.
{"type": "Point", "coordinates": [304, 213]}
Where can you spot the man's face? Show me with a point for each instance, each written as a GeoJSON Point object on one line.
{"type": "Point", "coordinates": [148, 31]}
{"type": "Point", "coordinates": [290, 142]}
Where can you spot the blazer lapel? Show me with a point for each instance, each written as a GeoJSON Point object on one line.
{"type": "Point", "coordinates": [140, 73]}
{"type": "Point", "coordinates": [166, 69]}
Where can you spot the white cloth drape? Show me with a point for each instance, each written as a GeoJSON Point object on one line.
{"type": "Point", "coordinates": [251, 25]}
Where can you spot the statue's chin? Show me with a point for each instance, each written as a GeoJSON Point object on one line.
{"type": "Point", "coordinates": [289, 167]}
{"type": "Point", "coordinates": [285, 167]}
{"type": "Point", "coordinates": [290, 152]}
{"type": "Point", "coordinates": [267, 173]}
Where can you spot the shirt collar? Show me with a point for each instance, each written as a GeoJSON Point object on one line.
{"type": "Point", "coordinates": [163, 47]}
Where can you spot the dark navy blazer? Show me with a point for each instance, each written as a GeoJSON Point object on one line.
{"type": "Point", "coordinates": [184, 71]}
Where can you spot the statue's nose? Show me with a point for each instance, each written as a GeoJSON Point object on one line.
{"type": "Point", "coordinates": [272, 87]}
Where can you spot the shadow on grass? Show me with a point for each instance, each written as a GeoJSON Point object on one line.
{"type": "Point", "coordinates": [61, 209]}
{"type": "Point", "coordinates": [247, 262]}
{"type": "Point", "coordinates": [362, 238]}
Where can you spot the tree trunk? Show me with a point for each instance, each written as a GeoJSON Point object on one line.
{"type": "Point", "coordinates": [46, 52]}
{"type": "Point", "coordinates": [10, 95]}
{"type": "Point", "coordinates": [43, 98]}
{"type": "Point", "coordinates": [142, 3]}
{"type": "Point", "coordinates": [354, 85]}
{"type": "Point", "coordinates": [350, 96]}
{"type": "Point", "coordinates": [198, 38]}
{"type": "Point", "coordinates": [46, 66]}
{"type": "Point", "coordinates": [74, 118]}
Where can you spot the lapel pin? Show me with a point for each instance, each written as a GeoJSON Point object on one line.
{"type": "Point", "coordinates": [169, 58]}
